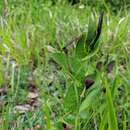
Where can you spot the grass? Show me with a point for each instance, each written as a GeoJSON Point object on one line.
{"type": "Point", "coordinates": [32, 62]}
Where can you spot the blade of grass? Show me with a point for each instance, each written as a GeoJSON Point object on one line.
{"type": "Point", "coordinates": [103, 120]}
{"type": "Point", "coordinates": [112, 119]}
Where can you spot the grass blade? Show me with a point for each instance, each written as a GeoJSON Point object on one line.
{"type": "Point", "coordinates": [112, 120]}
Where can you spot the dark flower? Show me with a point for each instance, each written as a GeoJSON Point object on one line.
{"type": "Point", "coordinates": [89, 82]}
{"type": "Point", "coordinates": [104, 90]}
{"type": "Point", "coordinates": [73, 2]}
{"type": "Point", "coordinates": [65, 127]}
{"type": "Point", "coordinates": [110, 66]}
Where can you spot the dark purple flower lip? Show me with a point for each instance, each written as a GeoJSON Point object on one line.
{"type": "Point", "coordinates": [65, 127]}
{"type": "Point", "coordinates": [89, 82]}
{"type": "Point", "coordinates": [110, 66]}
{"type": "Point", "coordinates": [104, 90]}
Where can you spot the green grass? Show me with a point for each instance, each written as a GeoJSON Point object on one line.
{"type": "Point", "coordinates": [32, 37]}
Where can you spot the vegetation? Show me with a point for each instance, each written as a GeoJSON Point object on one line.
{"type": "Point", "coordinates": [64, 65]}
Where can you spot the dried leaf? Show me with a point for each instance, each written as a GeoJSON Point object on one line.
{"type": "Point", "coordinates": [32, 95]}
{"type": "Point", "coordinates": [22, 108]}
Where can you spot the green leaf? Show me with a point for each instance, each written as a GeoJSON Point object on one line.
{"type": "Point", "coordinates": [91, 32]}
{"type": "Point", "coordinates": [94, 32]}
{"type": "Point", "coordinates": [80, 47]}
{"type": "Point", "coordinates": [92, 42]}
{"type": "Point", "coordinates": [89, 100]}
{"type": "Point", "coordinates": [103, 120]}
{"type": "Point", "coordinates": [112, 120]}
{"type": "Point", "coordinates": [61, 59]}
{"type": "Point", "coordinates": [77, 67]}
{"type": "Point", "coordinates": [47, 114]}
{"type": "Point", "coordinates": [70, 100]}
